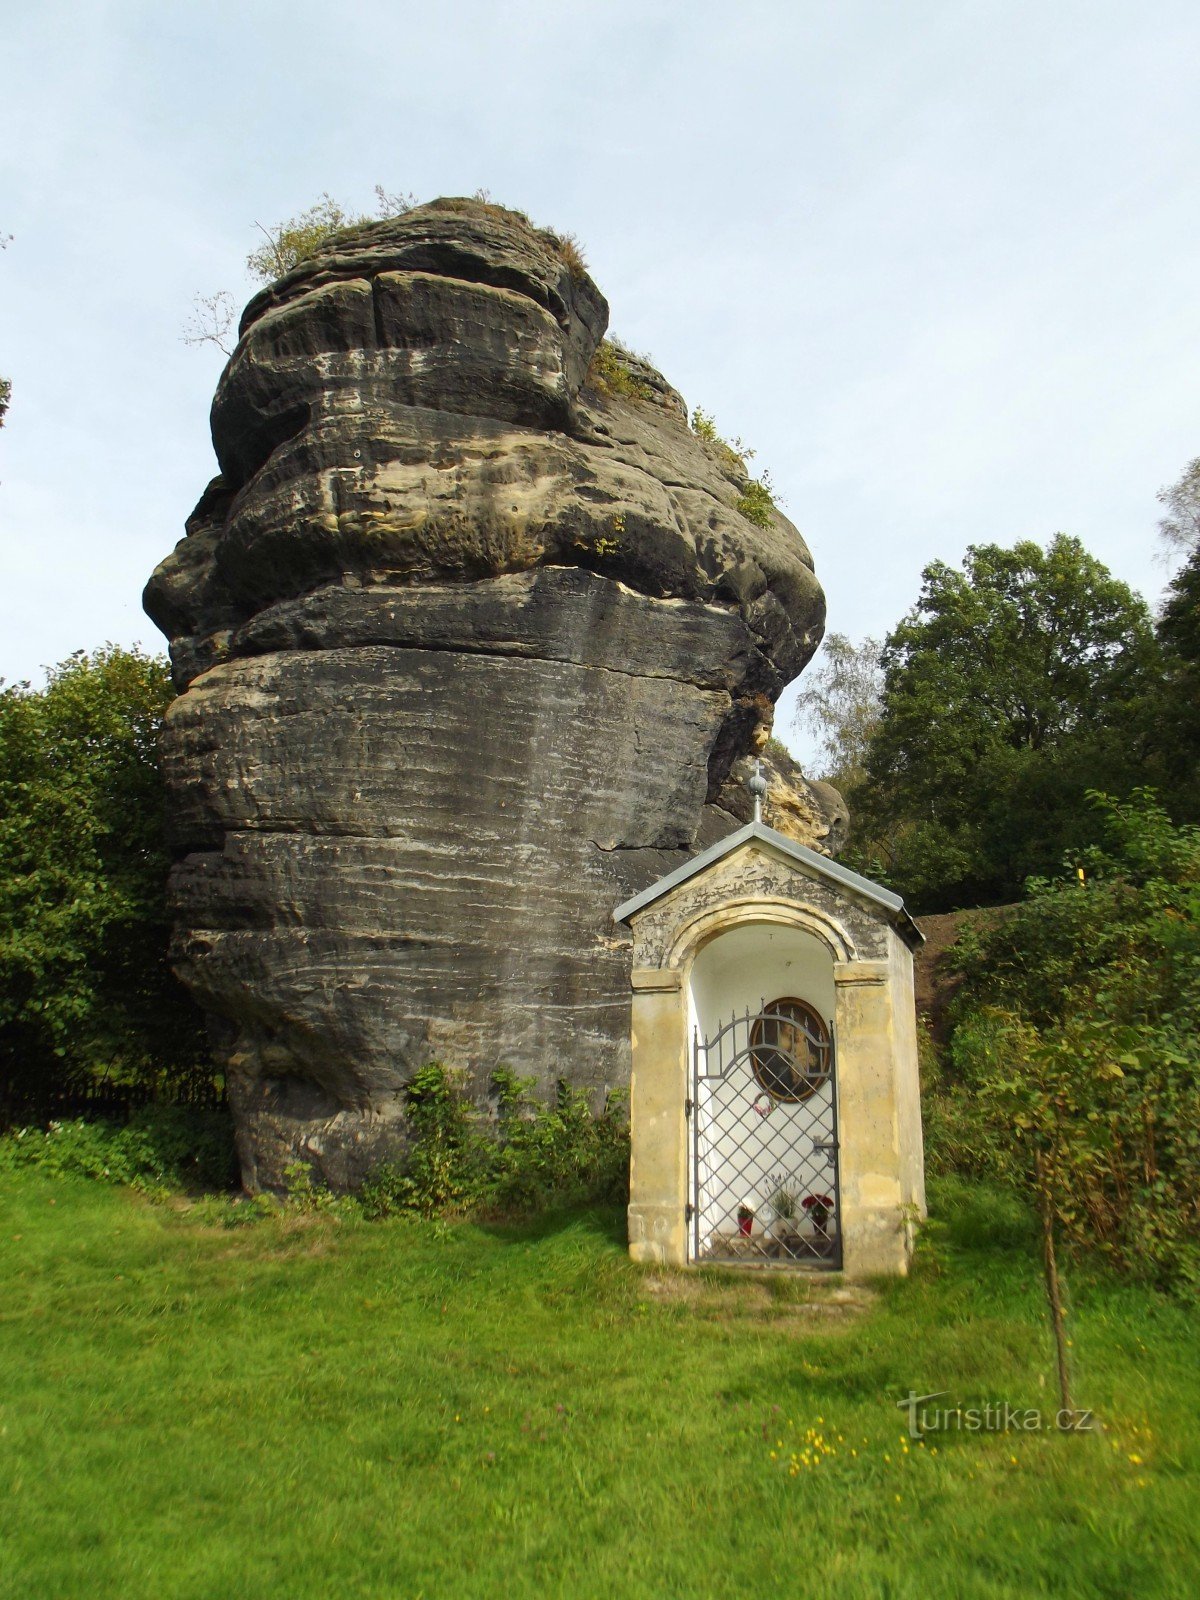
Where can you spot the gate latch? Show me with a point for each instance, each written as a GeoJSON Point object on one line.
{"type": "Point", "coordinates": [827, 1148]}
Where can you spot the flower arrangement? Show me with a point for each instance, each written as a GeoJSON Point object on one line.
{"type": "Point", "coordinates": [784, 1201]}
{"type": "Point", "coordinates": [818, 1207]}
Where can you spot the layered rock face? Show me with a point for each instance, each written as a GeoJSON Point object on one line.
{"type": "Point", "coordinates": [468, 635]}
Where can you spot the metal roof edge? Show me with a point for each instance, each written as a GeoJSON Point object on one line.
{"type": "Point", "coordinates": [688, 869]}
{"type": "Point", "coordinates": [821, 866]}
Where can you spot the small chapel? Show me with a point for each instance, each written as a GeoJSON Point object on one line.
{"type": "Point", "coordinates": [775, 1103]}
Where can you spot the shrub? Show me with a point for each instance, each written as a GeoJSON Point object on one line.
{"type": "Point", "coordinates": [704, 426]}
{"type": "Point", "coordinates": [1076, 1046]}
{"type": "Point", "coordinates": [733, 453]}
{"type": "Point", "coordinates": [288, 243]}
{"type": "Point", "coordinates": [459, 1162]}
{"type": "Point", "coordinates": [448, 1158]}
{"type": "Point", "coordinates": [610, 373]}
{"type": "Point", "coordinates": [305, 1195]}
{"type": "Point", "coordinates": [86, 993]}
{"type": "Point", "coordinates": [757, 504]}
{"type": "Point", "coordinates": [160, 1148]}
{"type": "Point", "coordinates": [571, 251]}
{"type": "Point", "coordinates": [557, 1153]}
{"type": "Point", "coordinates": [534, 1156]}
{"type": "Point", "coordinates": [757, 499]}
{"type": "Point", "coordinates": [983, 1216]}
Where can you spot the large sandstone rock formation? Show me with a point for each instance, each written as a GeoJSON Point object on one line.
{"type": "Point", "coordinates": [468, 635]}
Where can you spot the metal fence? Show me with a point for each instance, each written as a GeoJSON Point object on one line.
{"type": "Point", "coordinates": [111, 1101]}
{"type": "Point", "coordinates": [764, 1144]}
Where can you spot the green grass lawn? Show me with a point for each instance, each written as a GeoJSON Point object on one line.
{"type": "Point", "coordinates": [316, 1407]}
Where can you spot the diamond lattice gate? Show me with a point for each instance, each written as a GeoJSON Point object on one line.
{"type": "Point", "coordinates": [764, 1146]}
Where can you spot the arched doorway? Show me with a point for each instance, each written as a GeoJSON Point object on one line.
{"type": "Point", "coordinates": [756, 919]}
{"type": "Point", "coordinates": [762, 1099]}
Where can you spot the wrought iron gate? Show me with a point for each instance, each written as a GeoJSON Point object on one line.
{"type": "Point", "coordinates": [762, 1116]}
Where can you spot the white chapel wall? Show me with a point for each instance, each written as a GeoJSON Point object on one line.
{"type": "Point", "coordinates": [739, 970]}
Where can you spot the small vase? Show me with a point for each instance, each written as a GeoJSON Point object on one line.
{"type": "Point", "coordinates": [745, 1226]}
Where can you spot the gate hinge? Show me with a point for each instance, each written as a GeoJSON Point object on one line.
{"type": "Point", "coordinates": [689, 1211]}
{"type": "Point", "coordinates": [688, 1107]}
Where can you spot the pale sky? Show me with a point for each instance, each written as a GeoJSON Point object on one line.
{"type": "Point", "coordinates": [936, 261]}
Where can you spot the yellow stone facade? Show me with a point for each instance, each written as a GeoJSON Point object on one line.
{"type": "Point", "coordinates": [760, 879]}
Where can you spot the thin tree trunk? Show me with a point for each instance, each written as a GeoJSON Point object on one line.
{"type": "Point", "coordinates": [1053, 1291]}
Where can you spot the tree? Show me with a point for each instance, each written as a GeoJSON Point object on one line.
{"type": "Point", "coordinates": [85, 990]}
{"type": "Point", "coordinates": [841, 702]}
{"type": "Point", "coordinates": [285, 245]}
{"type": "Point", "coordinates": [1177, 725]}
{"type": "Point", "coordinates": [1012, 688]}
{"type": "Point", "coordinates": [1075, 1058]}
{"type": "Point", "coordinates": [1180, 528]}
{"type": "Point", "coordinates": [212, 320]}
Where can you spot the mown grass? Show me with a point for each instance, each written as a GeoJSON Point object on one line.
{"type": "Point", "coordinates": [316, 1406]}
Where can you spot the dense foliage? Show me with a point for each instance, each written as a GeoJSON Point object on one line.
{"type": "Point", "coordinates": [159, 1150]}
{"type": "Point", "coordinates": [1011, 688]}
{"type": "Point", "coordinates": [534, 1155]}
{"type": "Point", "coordinates": [287, 243]}
{"type": "Point", "coordinates": [1077, 1037]}
{"type": "Point", "coordinates": [85, 990]}
{"type": "Point", "coordinates": [1178, 720]}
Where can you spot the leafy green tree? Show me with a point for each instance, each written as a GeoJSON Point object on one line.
{"type": "Point", "coordinates": [1177, 723]}
{"type": "Point", "coordinates": [1012, 688]}
{"type": "Point", "coordinates": [1075, 1057]}
{"type": "Point", "coordinates": [841, 702]}
{"type": "Point", "coordinates": [85, 990]}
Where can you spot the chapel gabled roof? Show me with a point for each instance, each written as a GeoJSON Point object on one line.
{"type": "Point", "coordinates": [819, 866]}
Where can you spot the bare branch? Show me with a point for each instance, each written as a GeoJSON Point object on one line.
{"type": "Point", "coordinates": [212, 321]}
{"type": "Point", "coordinates": [393, 205]}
